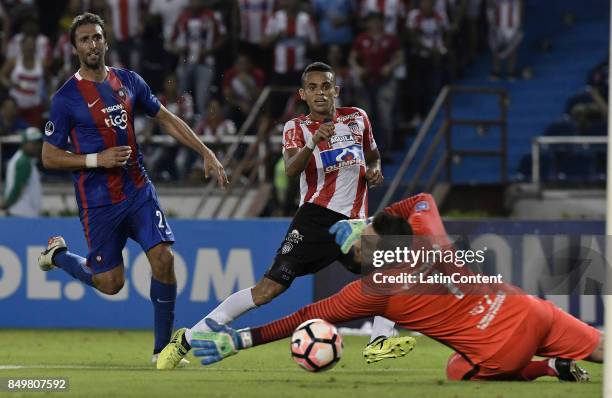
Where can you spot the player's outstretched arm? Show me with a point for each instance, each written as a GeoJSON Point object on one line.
{"type": "Point", "coordinates": [177, 128]}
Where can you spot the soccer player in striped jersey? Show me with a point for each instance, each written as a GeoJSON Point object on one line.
{"type": "Point", "coordinates": [334, 152]}
{"type": "Point", "coordinates": [494, 335]}
{"type": "Point", "coordinates": [116, 199]}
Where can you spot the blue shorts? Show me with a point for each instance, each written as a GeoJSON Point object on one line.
{"type": "Point", "coordinates": [107, 228]}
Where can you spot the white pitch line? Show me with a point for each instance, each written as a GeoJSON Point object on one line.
{"type": "Point", "coordinates": [207, 369]}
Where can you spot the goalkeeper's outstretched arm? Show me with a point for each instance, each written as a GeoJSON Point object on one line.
{"type": "Point", "coordinates": [348, 304]}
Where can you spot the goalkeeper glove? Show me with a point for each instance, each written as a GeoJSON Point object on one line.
{"type": "Point", "coordinates": [347, 232]}
{"type": "Point", "coordinates": [221, 342]}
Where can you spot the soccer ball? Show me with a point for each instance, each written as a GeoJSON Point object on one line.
{"type": "Point", "coordinates": [316, 345]}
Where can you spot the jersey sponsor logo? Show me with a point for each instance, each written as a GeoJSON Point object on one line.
{"type": "Point", "coordinates": [341, 138]}
{"type": "Point", "coordinates": [118, 120]}
{"type": "Point", "coordinates": [421, 206]}
{"type": "Point", "coordinates": [348, 117]}
{"type": "Point", "coordinates": [338, 158]}
{"type": "Point", "coordinates": [49, 128]}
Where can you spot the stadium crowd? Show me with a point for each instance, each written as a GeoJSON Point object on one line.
{"type": "Point", "coordinates": [208, 60]}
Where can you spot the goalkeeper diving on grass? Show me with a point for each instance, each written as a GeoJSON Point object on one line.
{"type": "Point", "coordinates": [494, 335]}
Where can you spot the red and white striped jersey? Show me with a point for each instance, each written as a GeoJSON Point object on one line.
{"type": "Point", "coordinates": [295, 35]}
{"type": "Point", "coordinates": [43, 47]}
{"type": "Point", "coordinates": [62, 53]}
{"type": "Point", "coordinates": [335, 175]}
{"type": "Point", "coordinates": [505, 14]}
{"type": "Point", "coordinates": [125, 18]}
{"type": "Point", "coordinates": [394, 12]}
{"type": "Point", "coordinates": [195, 32]}
{"type": "Point", "coordinates": [430, 30]}
{"type": "Point", "coordinates": [254, 16]}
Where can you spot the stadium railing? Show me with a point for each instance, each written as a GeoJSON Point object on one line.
{"type": "Point", "coordinates": [233, 141]}
{"type": "Point", "coordinates": [536, 146]}
{"type": "Point", "coordinates": [443, 107]}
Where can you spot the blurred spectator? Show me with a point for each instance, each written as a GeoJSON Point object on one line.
{"type": "Point", "coordinates": [472, 13]}
{"type": "Point", "coordinates": [393, 11]}
{"type": "Point", "coordinates": [335, 58]}
{"type": "Point", "coordinates": [64, 60]}
{"type": "Point", "coordinates": [169, 12]}
{"type": "Point", "coordinates": [159, 157]}
{"type": "Point", "coordinates": [198, 34]}
{"type": "Point", "coordinates": [454, 13]}
{"type": "Point", "coordinates": [154, 62]}
{"type": "Point", "coordinates": [335, 19]}
{"type": "Point", "coordinates": [25, 76]}
{"type": "Point", "coordinates": [292, 34]}
{"type": "Point", "coordinates": [598, 82]}
{"type": "Point", "coordinates": [242, 85]}
{"type": "Point", "coordinates": [505, 34]}
{"type": "Point", "coordinates": [229, 12]}
{"type": "Point", "coordinates": [213, 125]}
{"type": "Point", "coordinates": [254, 16]}
{"type": "Point", "coordinates": [426, 31]}
{"type": "Point", "coordinates": [6, 29]}
{"type": "Point", "coordinates": [10, 121]}
{"type": "Point", "coordinates": [126, 23]}
{"type": "Point", "coordinates": [30, 28]}
{"type": "Point", "coordinates": [22, 191]}
{"type": "Point", "coordinates": [374, 57]}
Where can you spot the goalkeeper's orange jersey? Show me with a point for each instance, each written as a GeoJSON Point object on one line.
{"type": "Point", "coordinates": [475, 325]}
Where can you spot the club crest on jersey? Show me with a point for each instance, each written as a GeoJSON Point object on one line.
{"type": "Point", "coordinates": [354, 128]}
{"type": "Point", "coordinates": [49, 128]}
{"type": "Point", "coordinates": [421, 206]}
{"type": "Point", "coordinates": [338, 158]}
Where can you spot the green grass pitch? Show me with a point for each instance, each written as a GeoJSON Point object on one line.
{"type": "Point", "coordinates": [116, 364]}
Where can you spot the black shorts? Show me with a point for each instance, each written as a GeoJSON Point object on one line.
{"type": "Point", "coordinates": [308, 246]}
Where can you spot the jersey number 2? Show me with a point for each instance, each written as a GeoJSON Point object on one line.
{"type": "Point", "coordinates": [160, 215]}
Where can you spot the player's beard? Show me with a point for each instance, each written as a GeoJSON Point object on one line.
{"type": "Point", "coordinates": [94, 65]}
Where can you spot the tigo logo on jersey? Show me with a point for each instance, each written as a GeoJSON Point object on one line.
{"type": "Point", "coordinates": [337, 158]}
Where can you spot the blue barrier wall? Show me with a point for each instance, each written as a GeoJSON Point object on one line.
{"type": "Point", "coordinates": [212, 260]}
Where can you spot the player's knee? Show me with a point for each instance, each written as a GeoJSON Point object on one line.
{"type": "Point", "coordinates": [457, 367]}
{"type": "Point", "coordinates": [263, 293]}
{"type": "Point", "coordinates": [110, 287]}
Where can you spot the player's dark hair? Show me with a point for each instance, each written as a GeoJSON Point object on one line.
{"type": "Point", "coordinates": [85, 19]}
{"type": "Point", "coordinates": [387, 224]}
{"type": "Point", "coordinates": [317, 67]}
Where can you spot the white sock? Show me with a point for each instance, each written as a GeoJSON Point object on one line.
{"type": "Point", "coordinates": [382, 327]}
{"type": "Point", "coordinates": [230, 309]}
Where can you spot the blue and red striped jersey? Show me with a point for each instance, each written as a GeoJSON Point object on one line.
{"type": "Point", "coordinates": [94, 117]}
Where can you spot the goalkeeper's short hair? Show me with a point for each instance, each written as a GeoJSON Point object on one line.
{"type": "Point", "coordinates": [388, 224]}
